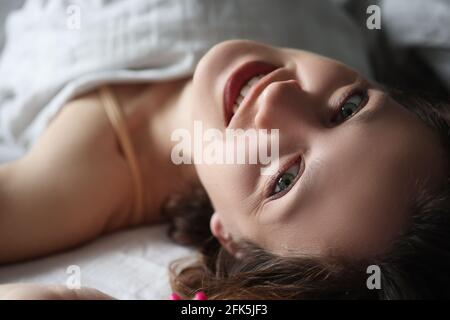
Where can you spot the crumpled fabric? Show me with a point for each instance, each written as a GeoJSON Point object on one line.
{"type": "Point", "coordinates": [47, 60]}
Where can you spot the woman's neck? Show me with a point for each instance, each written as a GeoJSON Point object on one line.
{"type": "Point", "coordinates": [154, 112]}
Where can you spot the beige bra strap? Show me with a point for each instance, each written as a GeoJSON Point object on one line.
{"type": "Point", "coordinates": [117, 118]}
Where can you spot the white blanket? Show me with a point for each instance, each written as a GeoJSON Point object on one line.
{"type": "Point", "coordinates": [56, 49]}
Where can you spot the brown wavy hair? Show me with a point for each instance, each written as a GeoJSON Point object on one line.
{"type": "Point", "coordinates": [417, 265]}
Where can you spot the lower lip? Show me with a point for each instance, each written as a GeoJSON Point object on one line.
{"type": "Point", "coordinates": [238, 79]}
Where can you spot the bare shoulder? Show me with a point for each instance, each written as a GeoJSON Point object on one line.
{"type": "Point", "coordinates": [71, 187]}
{"type": "Point", "coordinates": [81, 146]}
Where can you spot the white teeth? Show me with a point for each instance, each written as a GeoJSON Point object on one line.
{"type": "Point", "coordinates": [245, 90]}
{"type": "Point", "coordinates": [253, 81]}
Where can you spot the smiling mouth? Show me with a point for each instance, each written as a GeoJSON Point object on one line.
{"type": "Point", "coordinates": [241, 83]}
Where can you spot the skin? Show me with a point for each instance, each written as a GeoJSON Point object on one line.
{"type": "Point", "coordinates": [359, 178]}
{"type": "Point", "coordinates": [360, 175]}
{"type": "Point", "coordinates": [49, 292]}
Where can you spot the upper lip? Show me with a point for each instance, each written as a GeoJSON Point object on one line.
{"type": "Point", "coordinates": [239, 78]}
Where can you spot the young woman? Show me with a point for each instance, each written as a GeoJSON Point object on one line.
{"type": "Point", "coordinates": [363, 180]}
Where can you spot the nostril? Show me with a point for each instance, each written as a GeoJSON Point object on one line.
{"type": "Point", "coordinates": [282, 84]}
{"type": "Point", "coordinates": [295, 84]}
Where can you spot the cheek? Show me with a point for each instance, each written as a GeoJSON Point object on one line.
{"type": "Point", "coordinates": [207, 84]}
{"type": "Point", "coordinates": [357, 232]}
{"type": "Point", "coordinates": [231, 191]}
{"type": "Point", "coordinates": [205, 110]}
{"type": "Point", "coordinates": [226, 185]}
{"type": "Point", "coordinates": [369, 207]}
{"type": "Point", "coordinates": [357, 201]}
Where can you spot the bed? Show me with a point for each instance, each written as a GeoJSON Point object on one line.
{"type": "Point", "coordinates": [128, 265]}
{"type": "Point", "coordinates": [134, 264]}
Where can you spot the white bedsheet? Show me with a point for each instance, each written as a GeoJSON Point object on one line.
{"type": "Point", "coordinates": [131, 264]}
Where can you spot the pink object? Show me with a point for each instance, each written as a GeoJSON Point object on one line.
{"type": "Point", "coordinates": [200, 296]}
{"type": "Point", "coordinates": [174, 296]}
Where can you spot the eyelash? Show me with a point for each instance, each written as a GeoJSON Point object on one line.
{"type": "Point", "coordinates": [274, 180]}
{"type": "Point", "coordinates": [352, 92]}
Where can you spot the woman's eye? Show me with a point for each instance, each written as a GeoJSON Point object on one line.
{"type": "Point", "coordinates": [286, 179]}
{"type": "Point", "coordinates": [350, 107]}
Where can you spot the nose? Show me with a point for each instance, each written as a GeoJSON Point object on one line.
{"type": "Point", "coordinates": [285, 105]}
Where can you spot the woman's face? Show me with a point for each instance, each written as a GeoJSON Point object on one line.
{"type": "Point", "coordinates": [352, 157]}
